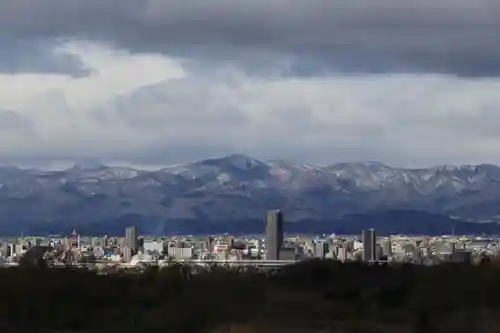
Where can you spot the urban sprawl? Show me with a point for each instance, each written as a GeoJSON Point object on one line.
{"type": "Point", "coordinates": [273, 249]}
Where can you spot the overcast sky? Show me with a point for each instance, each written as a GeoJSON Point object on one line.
{"type": "Point", "coordinates": [155, 82]}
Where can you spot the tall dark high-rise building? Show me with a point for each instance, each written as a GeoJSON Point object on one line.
{"type": "Point", "coordinates": [131, 238]}
{"type": "Point", "coordinates": [369, 240]}
{"type": "Point", "coordinates": [274, 234]}
{"type": "Point", "coordinates": [210, 245]}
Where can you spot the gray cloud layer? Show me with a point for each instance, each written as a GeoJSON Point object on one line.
{"type": "Point", "coordinates": [399, 120]}
{"type": "Point", "coordinates": [35, 55]}
{"type": "Point", "coordinates": [445, 36]}
{"type": "Point", "coordinates": [257, 80]}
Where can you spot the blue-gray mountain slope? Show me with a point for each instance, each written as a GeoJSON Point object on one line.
{"type": "Point", "coordinates": [233, 192]}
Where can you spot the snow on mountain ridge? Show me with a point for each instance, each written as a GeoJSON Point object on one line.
{"type": "Point", "coordinates": [364, 176]}
{"type": "Point", "coordinates": [239, 186]}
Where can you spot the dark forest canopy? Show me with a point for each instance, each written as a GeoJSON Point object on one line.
{"type": "Point", "coordinates": [314, 296]}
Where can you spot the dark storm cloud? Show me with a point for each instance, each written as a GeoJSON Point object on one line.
{"type": "Point", "coordinates": [36, 56]}
{"type": "Point", "coordinates": [444, 36]}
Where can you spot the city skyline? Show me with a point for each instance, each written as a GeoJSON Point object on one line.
{"type": "Point", "coordinates": [250, 250]}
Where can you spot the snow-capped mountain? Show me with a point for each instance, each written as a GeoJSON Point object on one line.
{"type": "Point", "coordinates": [238, 187]}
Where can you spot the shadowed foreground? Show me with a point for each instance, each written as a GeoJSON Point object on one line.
{"type": "Point", "coordinates": [316, 296]}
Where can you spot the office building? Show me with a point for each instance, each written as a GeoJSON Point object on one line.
{"type": "Point", "coordinates": [210, 245]}
{"type": "Point", "coordinates": [230, 242]}
{"type": "Point", "coordinates": [127, 254]}
{"type": "Point", "coordinates": [140, 244]}
{"type": "Point", "coordinates": [274, 234]}
{"type": "Point", "coordinates": [11, 250]}
{"type": "Point", "coordinates": [180, 253]}
{"type": "Point", "coordinates": [387, 248]}
{"type": "Point", "coordinates": [259, 247]}
{"type": "Point", "coordinates": [379, 251]}
{"type": "Point", "coordinates": [369, 240]}
{"type": "Point", "coordinates": [342, 254]}
{"type": "Point", "coordinates": [321, 249]}
{"type": "Point", "coordinates": [287, 253]}
{"type": "Point", "coordinates": [131, 238]}
{"type": "Point", "coordinates": [152, 247]}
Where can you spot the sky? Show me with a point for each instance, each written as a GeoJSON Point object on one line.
{"type": "Point", "coordinates": [155, 82]}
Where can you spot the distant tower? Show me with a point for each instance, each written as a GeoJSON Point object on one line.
{"type": "Point", "coordinates": [369, 245]}
{"type": "Point", "coordinates": [259, 247]}
{"type": "Point", "coordinates": [387, 248]}
{"type": "Point", "coordinates": [274, 234]}
{"type": "Point", "coordinates": [210, 246]}
{"type": "Point", "coordinates": [321, 249]}
{"type": "Point", "coordinates": [453, 247]}
{"type": "Point", "coordinates": [131, 238]}
{"type": "Point", "coordinates": [127, 254]}
{"type": "Point", "coordinates": [75, 239]}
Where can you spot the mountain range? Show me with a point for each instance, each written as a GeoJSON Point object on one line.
{"type": "Point", "coordinates": [232, 194]}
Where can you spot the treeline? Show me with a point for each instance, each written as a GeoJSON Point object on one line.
{"type": "Point", "coordinates": [313, 296]}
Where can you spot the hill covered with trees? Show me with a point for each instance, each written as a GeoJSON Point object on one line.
{"type": "Point", "coordinates": [314, 296]}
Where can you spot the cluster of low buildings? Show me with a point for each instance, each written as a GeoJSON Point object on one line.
{"type": "Point", "coordinates": [273, 247]}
